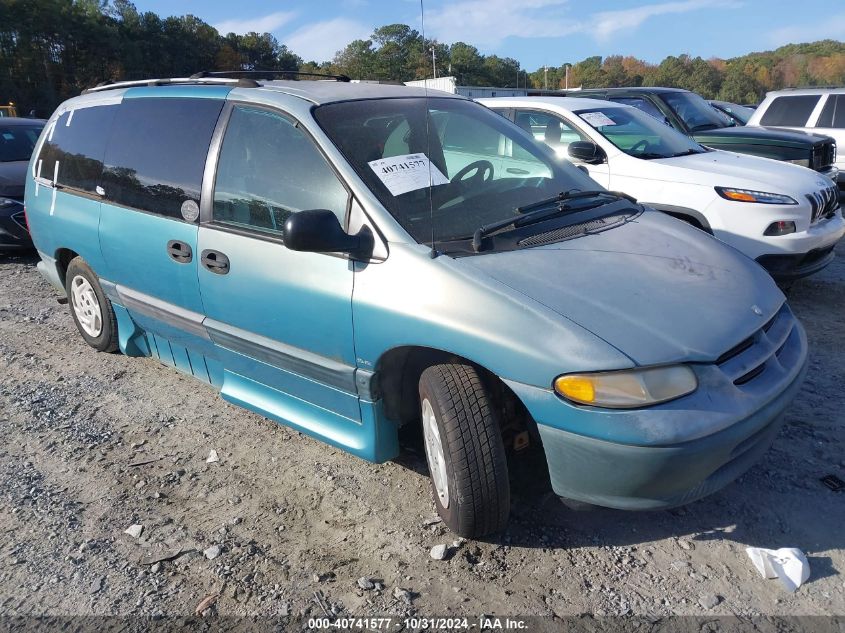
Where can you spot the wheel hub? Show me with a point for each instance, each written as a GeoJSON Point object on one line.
{"type": "Point", "coordinates": [86, 306]}
{"type": "Point", "coordinates": [434, 453]}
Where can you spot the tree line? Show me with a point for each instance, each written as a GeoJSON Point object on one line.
{"type": "Point", "coordinates": [51, 50]}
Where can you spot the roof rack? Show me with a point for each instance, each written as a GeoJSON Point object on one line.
{"type": "Point", "coordinates": [237, 78]}
{"type": "Point", "coordinates": [264, 74]}
{"type": "Point", "coordinates": [176, 81]}
{"type": "Point", "coordinates": [809, 88]}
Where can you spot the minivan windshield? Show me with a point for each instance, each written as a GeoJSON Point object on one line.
{"type": "Point", "coordinates": [639, 134]}
{"type": "Point", "coordinates": [17, 142]}
{"type": "Point", "coordinates": [483, 168]}
{"type": "Point", "coordinates": [695, 112]}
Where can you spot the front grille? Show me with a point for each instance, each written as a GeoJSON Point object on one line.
{"type": "Point", "coordinates": [746, 362]}
{"type": "Point", "coordinates": [575, 230]}
{"type": "Point", "coordinates": [824, 156]}
{"type": "Point", "coordinates": [823, 203]}
{"type": "Point", "coordinates": [20, 219]}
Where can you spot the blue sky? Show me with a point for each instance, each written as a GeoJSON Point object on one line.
{"type": "Point", "coordinates": [535, 32]}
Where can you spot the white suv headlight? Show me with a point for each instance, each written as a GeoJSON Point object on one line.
{"type": "Point", "coordinates": [748, 195]}
{"type": "Point", "coordinates": [628, 388]}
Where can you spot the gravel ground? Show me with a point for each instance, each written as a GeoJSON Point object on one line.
{"type": "Point", "coordinates": [282, 524]}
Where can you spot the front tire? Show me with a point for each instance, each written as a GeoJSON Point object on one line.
{"type": "Point", "coordinates": [464, 449]}
{"type": "Point", "coordinates": [90, 308]}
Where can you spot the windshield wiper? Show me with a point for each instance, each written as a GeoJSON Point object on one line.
{"type": "Point", "coordinates": [687, 152]}
{"type": "Point", "coordinates": [537, 211]}
{"type": "Point", "coordinates": [649, 155]}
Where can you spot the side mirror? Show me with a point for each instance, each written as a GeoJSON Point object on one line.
{"type": "Point", "coordinates": [586, 152]}
{"type": "Point", "coordinates": [319, 231]}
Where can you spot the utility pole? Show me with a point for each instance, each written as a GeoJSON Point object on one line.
{"type": "Point", "coordinates": [433, 62]}
{"type": "Point", "coordinates": [567, 76]}
{"type": "Point", "coordinates": [546, 76]}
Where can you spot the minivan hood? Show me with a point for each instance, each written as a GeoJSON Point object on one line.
{"type": "Point", "coordinates": [760, 135]}
{"type": "Point", "coordinates": [13, 178]}
{"type": "Point", "coordinates": [657, 289]}
{"type": "Point", "coordinates": [728, 169]}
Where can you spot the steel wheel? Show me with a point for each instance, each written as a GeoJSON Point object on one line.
{"type": "Point", "coordinates": [86, 306]}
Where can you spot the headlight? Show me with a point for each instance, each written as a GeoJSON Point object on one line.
{"type": "Point", "coordinates": [804, 162]}
{"type": "Point", "coordinates": [629, 388]}
{"type": "Point", "coordinates": [747, 195]}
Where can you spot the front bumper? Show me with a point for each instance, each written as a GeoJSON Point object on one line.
{"type": "Point", "coordinates": [13, 231]}
{"type": "Point", "coordinates": [792, 267]}
{"type": "Point", "coordinates": [652, 477]}
{"type": "Point", "coordinates": [742, 414]}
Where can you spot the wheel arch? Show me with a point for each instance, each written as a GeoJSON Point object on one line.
{"type": "Point", "coordinates": [690, 216]}
{"type": "Point", "coordinates": [399, 369]}
{"type": "Point", "coordinates": [64, 256]}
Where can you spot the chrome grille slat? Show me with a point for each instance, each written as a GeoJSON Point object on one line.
{"type": "Point", "coordinates": [823, 203]}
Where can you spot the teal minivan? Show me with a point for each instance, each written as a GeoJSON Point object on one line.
{"type": "Point", "coordinates": [349, 258]}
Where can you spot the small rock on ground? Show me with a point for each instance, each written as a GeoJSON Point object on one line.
{"type": "Point", "coordinates": [134, 530]}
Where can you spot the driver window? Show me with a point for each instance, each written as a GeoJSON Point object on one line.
{"type": "Point", "coordinates": [269, 168]}
{"type": "Point", "coordinates": [549, 129]}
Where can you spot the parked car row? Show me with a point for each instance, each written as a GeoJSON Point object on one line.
{"type": "Point", "coordinates": [784, 216]}
{"type": "Point", "coordinates": [349, 258]}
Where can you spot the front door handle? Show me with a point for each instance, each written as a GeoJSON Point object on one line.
{"type": "Point", "coordinates": [215, 261]}
{"type": "Point", "coordinates": [516, 170]}
{"type": "Point", "coordinates": [179, 251]}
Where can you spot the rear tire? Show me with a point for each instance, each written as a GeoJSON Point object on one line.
{"type": "Point", "coordinates": [90, 308]}
{"type": "Point", "coordinates": [464, 449]}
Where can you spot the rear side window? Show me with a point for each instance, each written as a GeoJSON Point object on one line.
{"type": "Point", "coordinates": [72, 154]}
{"type": "Point", "coordinates": [156, 154]}
{"type": "Point", "coordinates": [17, 142]}
{"type": "Point", "coordinates": [833, 115]}
{"type": "Point", "coordinates": [793, 111]}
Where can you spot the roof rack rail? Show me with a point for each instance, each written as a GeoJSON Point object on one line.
{"type": "Point", "coordinates": [176, 81]}
{"type": "Point", "coordinates": [808, 88]}
{"type": "Point", "coordinates": [238, 78]}
{"type": "Point", "coordinates": [268, 74]}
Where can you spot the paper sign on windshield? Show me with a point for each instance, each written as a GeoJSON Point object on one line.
{"type": "Point", "coordinates": [408, 172]}
{"type": "Point", "coordinates": [597, 119]}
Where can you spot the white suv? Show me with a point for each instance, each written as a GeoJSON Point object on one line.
{"type": "Point", "coordinates": [818, 110]}
{"type": "Point", "coordinates": [784, 216]}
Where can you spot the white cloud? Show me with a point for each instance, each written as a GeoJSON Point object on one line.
{"type": "Point", "coordinates": [831, 27]}
{"type": "Point", "coordinates": [608, 23]}
{"type": "Point", "coordinates": [321, 40]}
{"type": "Point", "coordinates": [263, 24]}
{"type": "Point", "coordinates": [485, 23]}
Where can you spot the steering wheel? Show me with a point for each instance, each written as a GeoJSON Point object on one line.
{"type": "Point", "coordinates": [483, 173]}
{"type": "Point", "coordinates": [636, 145]}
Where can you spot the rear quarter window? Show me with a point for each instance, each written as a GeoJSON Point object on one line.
{"type": "Point", "coordinates": [833, 115]}
{"type": "Point", "coordinates": [790, 111]}
{"type": "Point", "coordinates": [156, 154]}
{"type": "Point", "coordinates": [72, 153]}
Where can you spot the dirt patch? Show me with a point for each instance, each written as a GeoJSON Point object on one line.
{"type": "Point", "coordinates": [282, 524]}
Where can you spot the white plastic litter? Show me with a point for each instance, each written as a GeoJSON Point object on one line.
{"type": "Point", "coordinates": [788, 564]}
{"type": "Point", "coordinates": [212, 457]}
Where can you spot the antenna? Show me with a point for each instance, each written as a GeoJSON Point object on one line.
{"type": "Point", "coordinates": [428, 136]}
